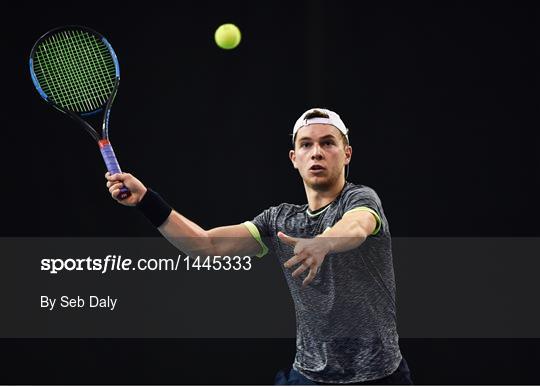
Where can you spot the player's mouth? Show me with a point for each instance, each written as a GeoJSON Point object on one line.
{"type": "Point", "coordinates": [316, 168]}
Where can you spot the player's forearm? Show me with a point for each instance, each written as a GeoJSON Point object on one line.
{"type": "Point", "coordinates": [344, 236]}
{"type": "Point", "coordinates": [187, 236]}
{"type": "Point", "coordinates": [192, 239]}
{"type": "Point", "coordinates": [218, 242]}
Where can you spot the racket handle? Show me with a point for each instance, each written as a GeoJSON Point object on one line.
{"type": "Point", "coordinates": [112, 164]}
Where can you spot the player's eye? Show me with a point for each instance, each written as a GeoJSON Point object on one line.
{"type": "Point", "coordinates": [304, 145]}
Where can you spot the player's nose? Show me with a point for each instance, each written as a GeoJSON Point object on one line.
{"type": "Point", "coordinates": [317, 153]}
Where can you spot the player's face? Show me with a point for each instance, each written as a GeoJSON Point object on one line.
{"type": "Point", "coordinates": [320, 155]}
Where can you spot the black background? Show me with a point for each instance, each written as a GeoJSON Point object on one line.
{"type": "Point", "coordinates": [441, 101]}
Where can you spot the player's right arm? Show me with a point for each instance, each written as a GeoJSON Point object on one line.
{"type": "Point", "coordinates": [185, 234]}
{"type": "Point", "coordinates": [220, 241]}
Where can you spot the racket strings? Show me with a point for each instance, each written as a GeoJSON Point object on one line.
{"type": "Point", "coordinates": [63, 94]}
{"type": "Point", "coordinates": [74, 75]}
{"type": "Point", "coordinates": [76, 70]}
{"type": "Point", "coordinates": [51, 74]}
{"type": "Point", "coordinates": [44, 74]}
{"type": "Point", "coordinates": [104, 71]}
{"type": "Point", "coordinates": [73, 93]}
{"type": "Point", "coordinates": [91, 95]}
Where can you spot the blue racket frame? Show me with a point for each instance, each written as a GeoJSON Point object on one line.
{"type": "Point", "coordinates": [105, 146]}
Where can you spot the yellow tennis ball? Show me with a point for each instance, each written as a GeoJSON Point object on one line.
{"type": "Point", "coordinates": [227, 36]}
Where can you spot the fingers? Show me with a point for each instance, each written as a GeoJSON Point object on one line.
{"type": "Point", "coordinates": [307, 253]}
{"type": "Point", "coordinates": [111, 183]}
{"type": "Point", "coordinates": [115, 179]}
{"type": "Point", "coordinates": [302, 268]}
{"type": "Point", "coordinates": [305, 265]}
{"type": "Point", "coordinates": [287, 239]}
{"type": "Point", "coordinates": [311, 276]}
{"type": "Point", "coordinates": [115, 190]}
{"type": "Point", "coordinates": [118, 182]}
{"type": "Point", "coordinates": [116, 176]}
{"type": "Point", "coordinates": [295, 260]}
{"type": "Point", "coordinates": [114, 187]}
{"type": "Point", "coordinates": [115, 193]}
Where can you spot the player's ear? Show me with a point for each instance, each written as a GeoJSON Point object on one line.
{"type": "Point", "coordinates": [348, 154]}
{"type": "Point", "coordinates": [292, 156]}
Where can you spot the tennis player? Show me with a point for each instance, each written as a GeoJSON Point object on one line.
{"type": "Point", "coordinates": [335, 252]}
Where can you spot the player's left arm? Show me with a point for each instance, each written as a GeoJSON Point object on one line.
{"type": "Point", "coordinates": [350, 231]}
{"type": "Point", "coordinates": [347, 234]}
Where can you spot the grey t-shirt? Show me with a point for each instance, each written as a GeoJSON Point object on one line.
{"type": "Point", "coordinates": [346, 318]}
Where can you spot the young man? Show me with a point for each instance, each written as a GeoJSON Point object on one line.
{"type": "Point", "coordinates": [335, 251]}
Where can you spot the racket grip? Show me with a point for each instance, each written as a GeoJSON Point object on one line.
{"type": "Point", "coordinates": [112, 164]}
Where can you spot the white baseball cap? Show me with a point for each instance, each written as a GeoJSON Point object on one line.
{"type": "Point", "coordinates": [333, 119]}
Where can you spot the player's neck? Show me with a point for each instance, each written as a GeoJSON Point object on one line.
{"type": "Point", "coordinates": [319, 198]}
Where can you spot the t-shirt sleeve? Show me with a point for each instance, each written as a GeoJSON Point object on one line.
{"type": "Point", "coordinates": [364, 199]}
{"type": "Point", "coordinates": [259, 228]}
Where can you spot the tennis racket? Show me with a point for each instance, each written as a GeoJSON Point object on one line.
{"type": "Point", "coordinates": [76, 71]}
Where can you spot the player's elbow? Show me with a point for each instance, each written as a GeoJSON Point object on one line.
{"type": "Point", "coordinates": [197, 244]}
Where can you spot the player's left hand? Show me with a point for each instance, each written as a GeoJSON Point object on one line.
{"type": "Point", "coordinates": [308, 252]}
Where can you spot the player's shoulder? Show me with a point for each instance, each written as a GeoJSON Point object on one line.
{"type": "Point", "coordinates": [356, 190]}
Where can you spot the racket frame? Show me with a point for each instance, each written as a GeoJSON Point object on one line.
{"type": "Point", "coordinates": [106, 108]}
{"type": "Point", "coordinates": [103, 139]}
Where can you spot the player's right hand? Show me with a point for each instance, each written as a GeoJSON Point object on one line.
{"type": "Point", "coordinates": [119, 180]}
